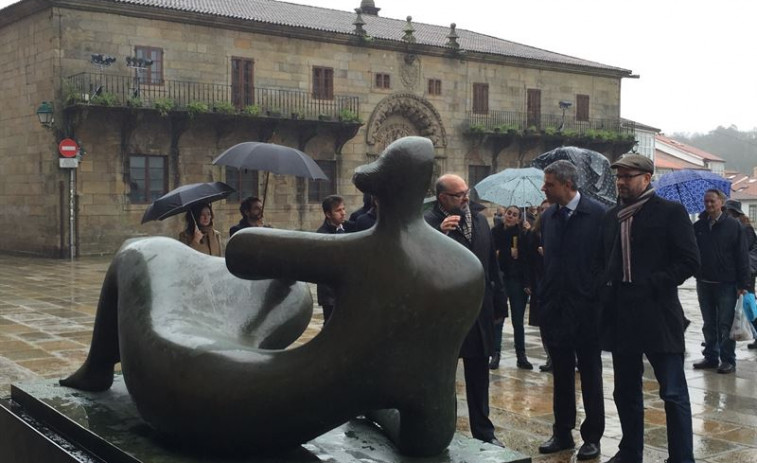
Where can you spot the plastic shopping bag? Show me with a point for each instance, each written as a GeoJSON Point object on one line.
{"type": "Point", "coordinates": [740, 329]}
{"type": "Point", "coordinates": [750, 306]}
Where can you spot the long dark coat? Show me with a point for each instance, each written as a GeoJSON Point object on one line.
{"type": "Point", "coordinates": [646, 315]}
{"type": "Point", "coordinates": [324, 293]}
{"type": "Point", "coordinates": [534, 273]}
{"type": "Point", "coordinates": [569, 313]}
{"type": "Point", "coordinates": [479, 341]}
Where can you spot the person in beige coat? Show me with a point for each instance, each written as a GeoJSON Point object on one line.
{"type": "Point", "coordinates": [199, 233]}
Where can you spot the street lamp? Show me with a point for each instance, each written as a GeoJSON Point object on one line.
{"type": "Point", "coordinates": [139, 65]}
{"type": "Point", "coordinates": [101, 61]}
{"type": "Point", "coordinates": [564, 105]}
{"type": "Point", "coordinates": [45, 114]}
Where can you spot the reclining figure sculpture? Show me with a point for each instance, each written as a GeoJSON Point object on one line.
{"type": "Point", "coordinates": [406, 297]}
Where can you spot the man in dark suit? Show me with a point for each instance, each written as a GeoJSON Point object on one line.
{"type": "Point", "coordinates": [648, 248]}
{"type": "Point", "coordinates": [454, 216]}
{"type": "Point", "coordinates": [568, 309]}
{"type": "Point", "coordinates": [334, 222]}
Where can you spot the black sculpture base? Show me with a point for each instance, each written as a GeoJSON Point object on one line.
{"type": "Point", "coordinates": [46, 422]}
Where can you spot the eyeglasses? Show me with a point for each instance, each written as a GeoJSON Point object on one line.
{"type": "Point", "coordinates": [460, 195]}
{"type": "Point", "coordinates": [627, 177]}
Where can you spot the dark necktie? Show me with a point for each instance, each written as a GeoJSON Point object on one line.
{"type": "Point", "coordinates": [564, 213]}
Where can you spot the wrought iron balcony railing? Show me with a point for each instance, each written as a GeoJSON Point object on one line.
{"type": "Point", "coordinates": [504, 121]}
{"type": "Point", "coordinates": [118, 90]}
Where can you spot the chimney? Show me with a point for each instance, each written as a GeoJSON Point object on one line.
{"type": "Point", "coordinates": [369, 7]}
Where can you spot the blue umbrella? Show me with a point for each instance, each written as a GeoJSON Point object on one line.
{"type": "Point", "coordinates": [513, 187]}
{"type": "Point", "coordinates": [688, 187]}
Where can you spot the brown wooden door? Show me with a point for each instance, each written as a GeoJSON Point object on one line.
{"type": "Point", "coordinates": [242, 88]}
{"type": "Point", "coordinates": [533, 108]}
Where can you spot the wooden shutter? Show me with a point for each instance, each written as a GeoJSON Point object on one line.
{"type": "Point", "coordinates": [582, 107]}
{"type": "Point", "coordinates": [533, 107]}
{"type": "Point", "coordinates": [480, 98]}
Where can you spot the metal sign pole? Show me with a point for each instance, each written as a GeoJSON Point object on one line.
{"type": "Point", "coordinates": [71, 193]}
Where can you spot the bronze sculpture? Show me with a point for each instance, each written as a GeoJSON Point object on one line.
{"type": "Point", "coordinates": [406, 297]}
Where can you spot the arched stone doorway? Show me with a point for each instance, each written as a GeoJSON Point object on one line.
{"type": "Point", "coordinates": [402, 115]}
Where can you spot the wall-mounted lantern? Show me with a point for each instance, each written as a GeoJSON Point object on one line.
{"type": "Point", "coordinates": [45, 114]}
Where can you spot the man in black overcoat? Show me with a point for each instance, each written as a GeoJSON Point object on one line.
{"type": "Point", "coordinates": [648, 250]}
{"type": "Point", "coordinates": [455, 217]}
{"type": "Point", "coordinates": [568, 317]}
{"type": "Point", "coordinates": [334, 222]}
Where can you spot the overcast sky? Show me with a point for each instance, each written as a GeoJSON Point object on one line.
{"type": "Point", "coordinates": [696, 60]}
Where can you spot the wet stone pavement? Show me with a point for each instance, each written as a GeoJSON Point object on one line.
{"type": "Point", "coordinates": [47, 312]}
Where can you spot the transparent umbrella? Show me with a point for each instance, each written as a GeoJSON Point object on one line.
{"type": "Point", "coordinates": [513, 187]}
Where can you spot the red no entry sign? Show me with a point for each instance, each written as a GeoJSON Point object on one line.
{"type": "Point", "coordinates": [68, 148]}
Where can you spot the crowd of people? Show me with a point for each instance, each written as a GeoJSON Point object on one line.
{"type": "Point", "coordinates": [592, 279]}
{"type": "Point", "coordinates": [597, 279]}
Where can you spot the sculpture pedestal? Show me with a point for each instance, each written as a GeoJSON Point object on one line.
{"type": "Point", "coordinates": [46, 422]}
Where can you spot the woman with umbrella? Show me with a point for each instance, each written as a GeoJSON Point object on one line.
{"type": "Point", "coordinates": [194, 198]}
{"type": "Point", "coordinates": [199, 233]}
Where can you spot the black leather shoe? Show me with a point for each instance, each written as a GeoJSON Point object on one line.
{"type": "Point", "coordinates": [619, 459]}
{"type": "Point", "coordinates": [556, 444]}
{"type": "Point", "coordinates": [494, 362]}
{"type": "Point", "coordinates": [523, 363]}
{"type": "Point", "coordinates": [547, 367]}
{"type": "Point", "coordinates": [705, 364]}
{"type": "Point", "coordinates": [588, 451]}
{"type": "Point", "coordinates": [726, 368]}
{"type": "Point", "coordinates": [496, 442]}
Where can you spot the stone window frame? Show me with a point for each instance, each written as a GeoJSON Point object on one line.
{"type": "Point", "coordinates": [245, 182]}
{"type": "Point", "coordinates": [153, 75]}
{"type": "Point", "coordinates": [323, 83]}
{"type": "Point", "coordinates": [319, 189]}
{"type": "Point", "coordinates": [435, 87]}
{"type": "Point", "coordinates": [146, 195]}
{"type": "Point", "coordinates": [382, 80]}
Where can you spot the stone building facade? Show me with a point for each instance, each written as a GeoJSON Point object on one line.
{"type": "Point", "coordinates": [340, 86]}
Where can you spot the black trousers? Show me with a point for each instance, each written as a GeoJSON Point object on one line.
{"type": "Point", "coordinates": [477, 393]}
{"type": "Point", "coordinates": [564, 395]}
{"type": "Point", "coordinates": [629, 399]}
{"type": "Point", "coordinates": [327, 310]}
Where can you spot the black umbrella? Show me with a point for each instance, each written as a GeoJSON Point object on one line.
{"type": "Point", "coordinates": [184, 197]}
{"type": "Point", "coordinates": [594, 174]}
{"type": "Point", "coordinates": [270, 157]}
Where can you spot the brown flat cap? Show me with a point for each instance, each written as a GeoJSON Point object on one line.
{"type": "Point", "coordinates": [635, 161]}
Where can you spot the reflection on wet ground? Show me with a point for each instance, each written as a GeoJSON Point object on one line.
{"type": "Point", "coordinates": [47, 312]}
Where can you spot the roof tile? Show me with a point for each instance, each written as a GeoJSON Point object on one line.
{"type": "Point", "coordinates": [340, 22]}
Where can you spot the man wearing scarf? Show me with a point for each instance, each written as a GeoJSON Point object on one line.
{"type": "Point", "coordinates": [454, 216]}
{"type": "Point", "coordinates": [648, 248]}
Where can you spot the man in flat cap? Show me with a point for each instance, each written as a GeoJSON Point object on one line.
{"type": "Point", "coordinates": [648, 248]}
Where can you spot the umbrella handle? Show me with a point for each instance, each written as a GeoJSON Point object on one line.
{"type": "Point", "coordinates": [265, 193]}
{"type": "Point", "coordinates": [194, 220]}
